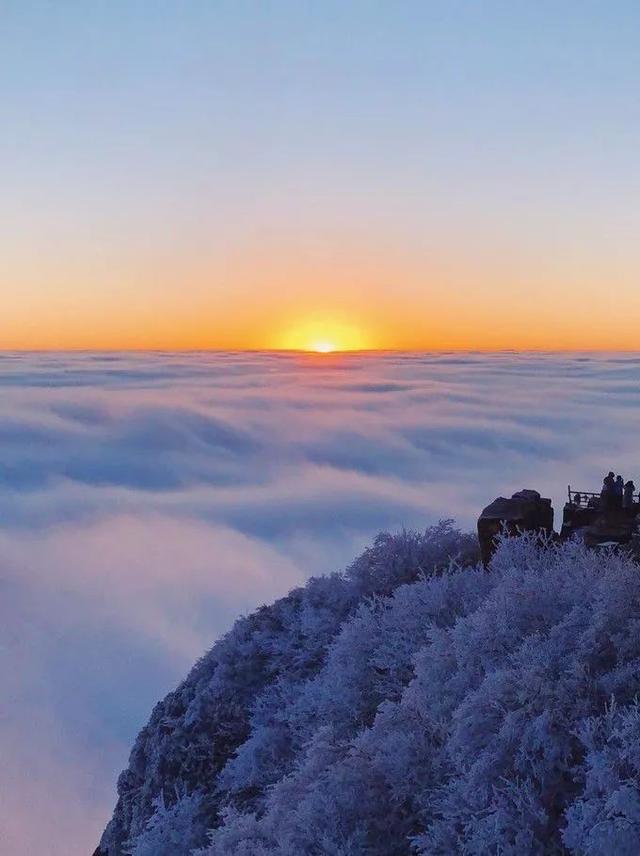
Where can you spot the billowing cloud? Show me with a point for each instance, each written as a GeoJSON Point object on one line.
{"type": "Point", "coordinates": [147, 500]}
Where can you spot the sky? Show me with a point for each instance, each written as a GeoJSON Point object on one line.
{"type": "Point", "coordinates": [425, 180]}
{"type": "Point", "coordinates": [148, 500]}
{"type": "Point", "coordinates": [415, 175]}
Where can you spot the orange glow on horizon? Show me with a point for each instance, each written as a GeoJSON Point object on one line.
{"type": "Point", "coordinates": [349, 299]}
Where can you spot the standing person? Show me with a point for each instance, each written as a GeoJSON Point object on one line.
{"type": "Point", "coordinates": [618, 491]}
{"type": "Point", "coordinates": [627, 498]}
{"type": "Point", "coordinates": [606, 494]}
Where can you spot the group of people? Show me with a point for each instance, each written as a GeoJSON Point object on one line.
{"type": "Point", "coordinates": [615, 494]}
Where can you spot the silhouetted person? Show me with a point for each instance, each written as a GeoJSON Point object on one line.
{"type": "Point", "coordinates": [627, 497]}
{"type": "Point", "coordinates": [618, 491]}
{"type": "Point", "coordinates": [607, 492]}
{"type": "Point", "coordinates": [577, 499]}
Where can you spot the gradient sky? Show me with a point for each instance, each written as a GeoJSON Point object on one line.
{"type": "Point", "coordinates": [273, 174]}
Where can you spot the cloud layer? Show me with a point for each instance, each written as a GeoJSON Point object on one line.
{"type": "Point", "coordinates": [146, 500]}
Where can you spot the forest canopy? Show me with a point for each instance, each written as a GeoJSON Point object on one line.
{"type": "Point", "coordinates": [416, 703]}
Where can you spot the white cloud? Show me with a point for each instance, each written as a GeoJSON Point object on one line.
{"type": "Point", "coordinates": [146, 500]}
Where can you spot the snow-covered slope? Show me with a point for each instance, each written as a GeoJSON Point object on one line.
{"type": "Point", "coordinates": [416, 703]}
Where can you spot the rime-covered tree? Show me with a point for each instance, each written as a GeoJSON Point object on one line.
{"type": "Point", "coordinates": [230, 703]}
{"type": "Point", "coordinates": [456, 710]}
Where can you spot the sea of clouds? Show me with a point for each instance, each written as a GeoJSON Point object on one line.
{"type": "Point", "coordinates": [147, 500]}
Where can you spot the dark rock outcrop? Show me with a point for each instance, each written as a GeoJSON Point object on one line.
{"type": "Point", "coordinates": [525, 511]}
{"type": "Point", "coordinates": [599, 524]}
{"type": "Point", "coordinates": [576, 518]}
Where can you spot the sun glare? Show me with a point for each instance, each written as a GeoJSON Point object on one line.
{"type": "Point", "coordinates": [324, 337]}
{"type": "Point", "coordinates": [323, 347]}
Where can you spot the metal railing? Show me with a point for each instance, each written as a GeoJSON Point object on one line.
{"type": "Point", "coordinates": [586, 495]}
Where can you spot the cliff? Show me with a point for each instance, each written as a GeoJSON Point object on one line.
{"type": "Point", "coordinates": [193, 733]}
{"type": "Point", "coordinates": [414, 704]}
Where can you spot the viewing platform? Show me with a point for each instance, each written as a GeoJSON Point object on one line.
{"type": "Point", "coordinates": [601, 521]}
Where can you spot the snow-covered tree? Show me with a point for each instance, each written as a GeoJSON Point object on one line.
{"type": "Point", "coordinates": [170, 828]}
{"type": "Point", "coordinates": [231, 702]}
{"type": "Point", "coordinates": [456, 711]}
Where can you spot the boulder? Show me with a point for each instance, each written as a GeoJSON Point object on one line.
{"type": "Point", "coordinates": [525, 511]}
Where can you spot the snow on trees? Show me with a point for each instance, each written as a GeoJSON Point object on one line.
{"type": "Point", "coordinates": [418, 704]}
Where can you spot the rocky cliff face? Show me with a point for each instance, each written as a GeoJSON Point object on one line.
{"type": "Point", "coordinates": [181, 756]}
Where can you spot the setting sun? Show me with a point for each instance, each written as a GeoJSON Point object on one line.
{"type": "Point", "coordinates": [323, 337]}
{"type": "Point", "coordinates": [323, 347]}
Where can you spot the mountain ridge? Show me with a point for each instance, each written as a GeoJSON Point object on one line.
{"type": "Point", "coordinates": [416, 703]}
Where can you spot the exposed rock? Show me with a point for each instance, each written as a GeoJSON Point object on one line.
{"type": "Point", "coordinates": [610, 529]}
{"type": "Point", "coordinates": [576, 518]}
{"type": "Point", "coordinates": [525, 511]}
{"type": "Point", "coordinates": [599, 524]}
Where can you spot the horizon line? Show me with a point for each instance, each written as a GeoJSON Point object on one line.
{"type": "Point", "coordinates": [318, 354]}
